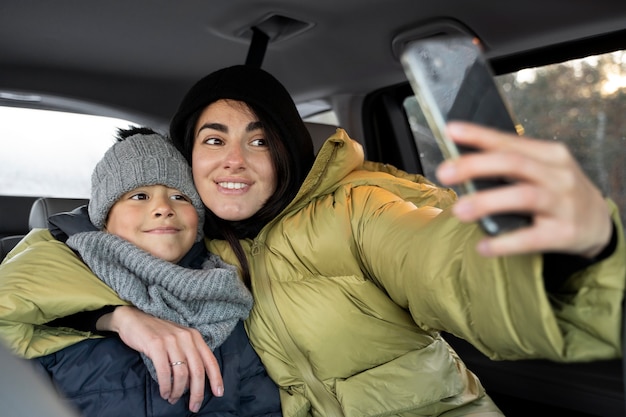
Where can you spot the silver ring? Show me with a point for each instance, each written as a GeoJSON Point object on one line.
{"type": "Point", "coordinates": [177, 363]}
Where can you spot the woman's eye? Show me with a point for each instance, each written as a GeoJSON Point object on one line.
{"type": "Point", "coordinates": [213, 141]}
{"type": "Point", "coordinates": [259, 142]}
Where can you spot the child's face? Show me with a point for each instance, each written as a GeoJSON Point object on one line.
{"type": "Point", "coordinates": [158, 219]}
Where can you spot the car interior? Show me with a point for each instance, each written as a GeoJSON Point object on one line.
{"type": "Point", "coordinates": [561, 64]}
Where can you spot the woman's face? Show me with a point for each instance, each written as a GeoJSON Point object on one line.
{"type": "Point", "coordinates": [231, 163]}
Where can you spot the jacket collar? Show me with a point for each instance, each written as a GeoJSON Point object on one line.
{"type": "Point", "coordinates": [339, 156]}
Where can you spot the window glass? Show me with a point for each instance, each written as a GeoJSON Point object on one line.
{"type": "Point", "coordinates": [52, 154]}
{"type": "Point", "coordinates": [327, 117]}
{"type": "Point", "coordinates": [580, 102]}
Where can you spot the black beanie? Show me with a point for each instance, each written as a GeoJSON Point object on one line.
{"type": "Point", "coordinates": [257, 88]}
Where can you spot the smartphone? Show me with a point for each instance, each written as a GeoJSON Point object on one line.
{"type": "Point", "coordinates": [452, 80]}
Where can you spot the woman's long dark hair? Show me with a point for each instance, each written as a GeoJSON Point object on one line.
{"type": "Point", "coordinates": [287, 186]}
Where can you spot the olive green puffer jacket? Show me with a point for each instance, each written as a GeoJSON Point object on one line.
{"type": "Point", "coordinates": [356, 277]}
{"type": "Point", "coordinates": [42, 279]}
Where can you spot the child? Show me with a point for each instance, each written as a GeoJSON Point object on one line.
{"type": "Point", "coordinates": [146, 245]}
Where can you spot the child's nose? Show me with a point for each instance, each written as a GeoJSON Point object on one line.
{"type": "Point", "coordinates": [163, 207]}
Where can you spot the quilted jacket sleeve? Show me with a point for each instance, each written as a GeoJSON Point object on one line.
{"type": "Point", "coordinates": [43, 280]}
{"type": "Point", "coordinates": [500, 305]}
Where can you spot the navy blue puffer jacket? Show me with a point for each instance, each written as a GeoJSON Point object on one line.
{"type": "Point", "coordinates": [105, 378]}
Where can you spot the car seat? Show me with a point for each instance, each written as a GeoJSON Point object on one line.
{"type": "Point", "coordinates": [41, 209]}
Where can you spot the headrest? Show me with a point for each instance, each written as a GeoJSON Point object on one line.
{"type": "Point", "coordinates": [44, 207]}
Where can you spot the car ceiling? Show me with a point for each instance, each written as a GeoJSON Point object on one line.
{"type": "Point", "coordinates": [141, 55]}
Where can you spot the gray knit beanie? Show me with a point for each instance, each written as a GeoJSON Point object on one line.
{"type": "Point", "coordinates": [141, 159]}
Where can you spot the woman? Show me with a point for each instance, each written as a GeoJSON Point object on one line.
{"type": "Point", "coordinates": [355, 267]}
{"type": "Point", "coordinates": [352, 282]}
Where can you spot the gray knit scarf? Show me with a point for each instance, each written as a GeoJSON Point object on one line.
{"type": "Point", "coordinates": [211, 299]}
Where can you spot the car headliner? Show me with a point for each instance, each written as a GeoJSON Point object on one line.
{"type": "Point", "coordinates": [141, 55]}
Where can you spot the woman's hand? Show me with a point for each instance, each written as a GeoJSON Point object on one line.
{"type": "Point", "coordinates": [165, 343]}
{"type": "Point", "coordinates": [569, 213]}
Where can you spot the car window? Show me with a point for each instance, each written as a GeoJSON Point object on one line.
{"type": "Point", "coordinates": [581, 102]}
{"type": "Point", "coordinates": [327, 117]}
{"type": "Point", "coordinates": [50, 153]}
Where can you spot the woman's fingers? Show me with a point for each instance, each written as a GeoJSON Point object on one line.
{"type": "Point", "coordinates": [188, 357]}
{"type": "Point", "coordinates": [569, 212]}
{"type": "Point", "coordinates": [160, 360]}
{"type": "Point", "coordinates": [179, 375]}
{"type": "Point", "coordinates": [488, 139]}
{"type": "Point", "coordinates": [197, 350]}
{"type": "Point", "coordinates": [180, 356]}
{"type": "Point", "coordinates": [212, 369]}
{"type": "Point", "coordinates": [512, 157]}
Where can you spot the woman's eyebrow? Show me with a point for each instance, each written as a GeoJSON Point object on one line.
{"type": "Point", "coordinates": [215, 126]}
{"type": "Point", "coordinates": [224, 129]}
{"type": "Point", "coordinates": [252, 126]}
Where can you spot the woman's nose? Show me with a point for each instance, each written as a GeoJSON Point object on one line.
{"type": "Point", "coordinates": [234, 157]}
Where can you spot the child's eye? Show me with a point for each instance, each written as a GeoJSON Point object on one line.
{"type": "Point", "coordinates": [180, 197]}
{"type": "Point", "coordinates": [139, 196]}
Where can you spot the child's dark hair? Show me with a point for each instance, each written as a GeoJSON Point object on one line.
{"type": "Point", "coordinates": [123, 134]}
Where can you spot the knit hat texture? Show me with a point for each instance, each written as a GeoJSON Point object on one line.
{"type": "Point", "coordinates": [256, 87]}
{"type": "Point", "coordinates": [137, 161]}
